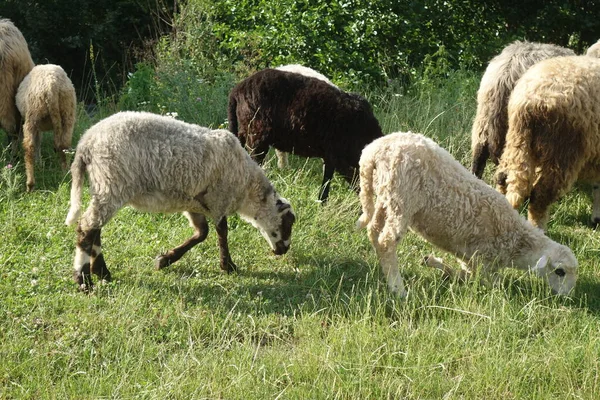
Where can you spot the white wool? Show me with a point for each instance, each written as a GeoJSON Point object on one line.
{"type": "Point", "coordinates": [409, 182]}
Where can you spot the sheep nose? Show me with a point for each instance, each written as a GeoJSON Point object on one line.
{"type": "Point", "coordinates": [280, 248]}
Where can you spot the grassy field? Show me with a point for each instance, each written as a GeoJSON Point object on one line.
{"type": "Point", "coordinates": [315, 323]}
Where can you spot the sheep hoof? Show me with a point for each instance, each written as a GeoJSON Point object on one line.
{"type": "Point", "coordinates": [228, 267]}
{"type": "Point", "coordinates": [83, 281]}
{"type": "Point", "coordinates": [595, 222]}
{"type": "Point", "coordinates": [30, 187]}
{"type": "Point", "coordinates": [162, 262]}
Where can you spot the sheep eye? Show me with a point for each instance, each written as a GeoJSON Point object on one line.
{"type": "Point", "coordinates": [560, 272]}
{"type": "Point", "coordinates": [274, 234]}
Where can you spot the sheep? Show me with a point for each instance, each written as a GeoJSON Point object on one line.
{"type": "Point", "coordinates": [419, 186]}
{"type": "Point", "coordinates": [491, 119]}
{"type": "Point", "coordinates": [15, 64]}
{"type": "Point", "coordinates": [282, 157]}
{"type": "Point", "coordinates": [304, 115]}
{"type": "Point", "coordinates": [46, 100]}
{"type": "Point", "coordinates": [594, 50]}
{"type": "Point", "coordinates": [159, 164]}
{"type": "Point", "coordinates": [553, 137]}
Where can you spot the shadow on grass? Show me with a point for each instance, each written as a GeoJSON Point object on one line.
{"type": "Point", "coordinates": [310, 280]}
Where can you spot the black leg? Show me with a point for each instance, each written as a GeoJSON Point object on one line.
{"type": "Point", "coordinates": [200, 225]}
{"type": "Point", "coordinates": [84, 258]}
{"type": "Point", "coordinates": [481, 153]}
{"type": "Point", "coordinates": [226, 262]}
{"type": "Point", "coordinates": [328, 170]}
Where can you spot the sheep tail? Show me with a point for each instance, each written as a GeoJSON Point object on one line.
{"type": "Point", "coordinates": [77, 171]}
{"type": "Point", "coordinates": [517, 164]}
{"type": "Point", "coordinates": [366, 196]}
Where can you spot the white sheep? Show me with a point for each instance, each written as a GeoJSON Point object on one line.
{"type": "Point", "coordinates": [46, 100]}
{"type": "Point", "coordinates": [158, 164]}
{"type": "Point", "coordinates": [15, 63]}
{"type": "Point", "coordinates": [419, 185]}
{"type": "Point", "coordinates": [282, 156]}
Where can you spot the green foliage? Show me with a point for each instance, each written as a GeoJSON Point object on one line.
{"type": "Point", "coordinates": [178, 90]}
{"type": "Point", "coordinates": [62, 32]}
{"type": "Point", "coordinates": [11, 182]}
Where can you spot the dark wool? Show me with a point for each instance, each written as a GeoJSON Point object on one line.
{"type": "Point", "coordinates": [305, 116]}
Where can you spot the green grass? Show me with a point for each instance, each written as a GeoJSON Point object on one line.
{"type": "Point", "coordinates": [317, 322]}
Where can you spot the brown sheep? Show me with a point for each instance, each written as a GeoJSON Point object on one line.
{"type": "Point", "coordinates": [553, 137]}
{"type": "Point", "coordinates": [46, 99]}
{"type": "Point", "coordinates": [15, 63]}
{"type": "Point", "coordinates": [491, 120]}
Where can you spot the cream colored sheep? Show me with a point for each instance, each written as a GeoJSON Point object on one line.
{"type": "Point", "coordinates": [159, 164]}
{"type": "Point", "coordinates": [407, 182]}
{"type": "Point", "coordinates": [501, 75]}
{"type": "Point", "coordinates": [46, 100]}
{"type": "Point", "coordinates": [553, 136]}
{"type": "Point", "coordinates": [15, 63]}
{"type": "Point", "coordinates": [282, 156]}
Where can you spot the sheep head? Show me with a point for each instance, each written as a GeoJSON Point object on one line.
{"type": "Point", "coordinates": [274, 218]}
{"type": "Point", "coordinates": [559, 267]}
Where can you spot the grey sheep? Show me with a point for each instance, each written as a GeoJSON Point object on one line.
{"type": "Point", "coordinates": [158, 164]}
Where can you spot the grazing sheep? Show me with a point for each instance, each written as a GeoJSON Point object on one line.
{"type": "Point", "coordinates": [420, 186]}
{"type": "Point", "coordinates": [159, 164]}
{"type": "Point", "coordinates": [491, 120]}
{"type": "Point", "coordinates": [282, 157]}
{"type": "Point", "coordinates": [303, 115]}
{"type": "Point", "coordinates": [594, 50]}
{"type": "Point", "coordinates": [15, 63]}
{"type": "Point", "coordinates": [46, 100]}
{"type": "Point", "coordinates": [553, 137]}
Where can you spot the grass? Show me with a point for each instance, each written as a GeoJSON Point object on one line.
{"type": "Point", "coordinates": [315, 323]}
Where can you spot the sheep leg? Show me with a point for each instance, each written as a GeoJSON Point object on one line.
{"type": "Point", "coordinates": [282, 159]}
{"type": "Point", "coordinates": [30, 134]}
{"type": "Point", "coordinates": [14, 133]}
{"type": "Point", "coordinates": [328, 170]}
{"type": "Point", "coordinates": [545, 192]}
{"type": "Point", "coordinates": [389, 267]}
{"type": "Point", "coordinates": [449, 273]}
{"type": "Point", "coordinates": [60, 147]}
{"type": "Point", "coordinates": [481, 153]}
{"type": "Point", "coordinates": [596, 204]}
{"type": "Point", "coordinates": [200, 225]}
{"type": "Point", "coordinates": [227, 264]}
{"type": "Point", "coordinates": [88, 259]}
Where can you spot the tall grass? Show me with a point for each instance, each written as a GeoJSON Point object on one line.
{"type": "Point", "coordinates": [315, 323]}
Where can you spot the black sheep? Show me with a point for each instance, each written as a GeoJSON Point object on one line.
{"type": "Point", "coordinates": [305, 116]}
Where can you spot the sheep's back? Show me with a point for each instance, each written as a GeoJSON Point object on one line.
{"type": "Point", "coordinates": [560, 98]}
{"type": "Point", "coordinates": [455, 210]}
{"type": "Point", "coordinates": [304, 114]}
{"type": "Point", "coordinates": [138, 154]}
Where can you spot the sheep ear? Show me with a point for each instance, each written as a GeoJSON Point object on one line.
{"type": "Point", "coordinates": [541, 263]}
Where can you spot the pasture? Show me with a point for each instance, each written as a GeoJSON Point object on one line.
{"type": "Point", "coordinates": [315, 323]}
